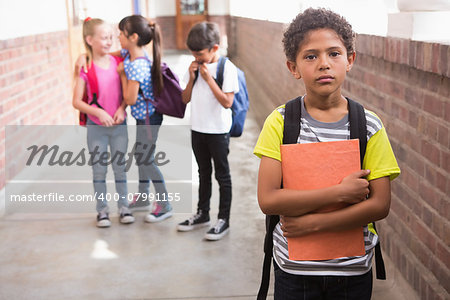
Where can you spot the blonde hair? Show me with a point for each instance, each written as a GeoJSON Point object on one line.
{"type": "Point", "coordinates": [89, 26]}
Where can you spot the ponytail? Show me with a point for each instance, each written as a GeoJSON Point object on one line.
{"type": "Point", "coordinates": [157, 79]}
{"type": "Point", "coordinates": [147, 31]}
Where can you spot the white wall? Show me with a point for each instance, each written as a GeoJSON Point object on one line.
{"type": "Point", "coordinates": [219, 7]}
{"type": "Point", "coordinates": [161, 8]}
{"type": "Point", "coordinates": [366, 16]}
{"type": "Point", "coordinates": [112, 11]}
{"type": "Point", "coordinates": [27, 17]}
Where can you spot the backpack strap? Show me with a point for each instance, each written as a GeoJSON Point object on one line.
{"type": "Point", "coordinates": [219, 72]}
{"type": "Point", "coordinates": [93, 86]}
{"type": "Point", "coordinates": [290, 135]}
{"type": "Point", "coordinates": [358, 130]}
{"type": "Point", "coordinates": [358, 126]}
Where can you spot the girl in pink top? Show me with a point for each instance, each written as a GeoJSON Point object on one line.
{"type": "Point", "coordinates": [106, 124]}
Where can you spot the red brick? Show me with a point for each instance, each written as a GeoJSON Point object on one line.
{"type": "Point", "coordinates": [414, 96]}
{"type": "Point", "coordinates": [434, 105]}
{"type": "Point", "coordinates": [444, 60]}
{"type": "Point", "coordinates": [443, 135]}
{"type": "Point", "coordinates": [446, 239]}
{"type": "Point", "coordinates": [430, 195]}
{"type": "Point", "coordinates": [427, 56]}
{"type": "Point", "coordinates": [404, 51]}
{"type": "Point", "coordinates": [419, 61]}
{"type": "Point", "coordinates": [435, 59]}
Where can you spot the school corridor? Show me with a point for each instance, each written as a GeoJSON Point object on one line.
{"type": "Point", "coordinates": [401, 72]}
{"type": "Point", "coordinates": [65, 256]}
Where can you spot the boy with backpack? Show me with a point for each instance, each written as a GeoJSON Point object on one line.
{"type": "Point", "coordinates": [319, 46]}
{"type": "Point", "coordinates": [211, 119]}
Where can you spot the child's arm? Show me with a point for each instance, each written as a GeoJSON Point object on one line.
{"type": "Point", "coordinates": [130, 88]}
{"type": "Point", "coordinates": [187, 92]}
{"type": "Point", "coordinates": [276, 201]}
{"type": "Point", "coordinates": [81, 62]}
{"type": "Point", "coordinates": [225, 99]}
{"type": "Point", "coordinates": [78, 103]}
{"type": "Point", "coordinates": [119, 115]}
{"type": "Point", "coordinates": [376, 207]}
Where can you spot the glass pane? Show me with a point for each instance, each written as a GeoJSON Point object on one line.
{"type": "Point", "coordinates": [192, 7]}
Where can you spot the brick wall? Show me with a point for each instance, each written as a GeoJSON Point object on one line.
{"type": "Point", "coordinates": [407, 84]}
{"type": "Point", "coordinates": [35, 84]}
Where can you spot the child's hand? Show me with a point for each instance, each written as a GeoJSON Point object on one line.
{"type": "Point", "coordinates": [119, 116]}
{"type": "Point", "coordinates": [105, 118]}
{"type": "Point", "coordinates": [192, 68]}
{"type": "Point", "coordinates": [81, 63]}
{"type": "Point", "coordinates": [203, 70]}
{"type": "Point", "coordinates": [120, 69]}
{"type": "Point", "coordinates": [354, 188]}
{"type": "Point", "coordinates": [298, 226]}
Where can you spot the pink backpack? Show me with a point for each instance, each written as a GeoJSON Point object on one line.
{"type": "Point", "coordinates": [93, 88]}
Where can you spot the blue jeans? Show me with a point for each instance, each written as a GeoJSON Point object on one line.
{"type": "Point", "coordinates": [98, 139]}
{"type": "Point", "coordinates": [148, 170]}
{"type": "Point", "coordinates": [295, 287]}
{"type": "Point", "coordinates": [213, 147]}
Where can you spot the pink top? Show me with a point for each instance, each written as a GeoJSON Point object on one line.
{"type": "Point", "coordinates": [109, 88]}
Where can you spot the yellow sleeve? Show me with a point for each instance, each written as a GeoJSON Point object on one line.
{"type": "Point", "coordinates": [379, 158]}
{"type": "Point", "coordinates": [271, 136]}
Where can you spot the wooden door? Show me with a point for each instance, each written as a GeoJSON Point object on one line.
{"type": "Point", "coordinates": [189, 12]}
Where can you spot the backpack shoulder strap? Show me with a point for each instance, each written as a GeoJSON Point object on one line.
{"type": "Point", "coordinates": [220, 70]}
{"type": "Point", "coordinates": [290, 136]}
{"type": "Point", "coordinates": [93, 85]}
{"type": "Point", "coordinates": [292, 114]}
{"type": "Point", "coordinates": [358, 126]}
{"type": "Point", "coordinates": [358, 130]}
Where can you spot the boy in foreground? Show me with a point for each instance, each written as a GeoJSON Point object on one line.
{"type": "Point", "coordinates": [319, 46]}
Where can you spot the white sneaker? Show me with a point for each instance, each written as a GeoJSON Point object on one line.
{"type": "Point", "coordinates": [158, 214]}
{"type": "Point", "coordinates": [103, 219]}
{"type": "Point", "coordinates": [125, 216]}
{"type": "Point", "coordinates": [219, 230]}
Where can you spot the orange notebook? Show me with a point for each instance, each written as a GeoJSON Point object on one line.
{"type": "Point", "coordinates": [314, 166]}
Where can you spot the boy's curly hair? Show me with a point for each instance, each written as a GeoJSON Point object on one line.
{"type": "Point", "coordinates": [312, 19]}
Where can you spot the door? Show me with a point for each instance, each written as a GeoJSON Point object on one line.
{"type": "Point", "coordinates": [189, 12]}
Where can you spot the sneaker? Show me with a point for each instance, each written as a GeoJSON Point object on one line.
{"type": "Point", "coordinates": [139, 204]}
{"type": "Point", "coordinates": [125, 216]}
{"type": "Point", "coordinates": [103, 220]}
{"type": "Point", "coordinates": [218, 231]}
{"type": "Point", "coordinates": [158, 214]}
{"type": "Point", "coordinates": [196, 221]}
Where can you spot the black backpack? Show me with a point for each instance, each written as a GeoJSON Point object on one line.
{"type": "Point", "coordinates": [358, 130]}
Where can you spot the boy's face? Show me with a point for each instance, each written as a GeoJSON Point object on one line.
{"type": "Point", "coordinates": [205, 56]}
{"type": "Point", "coordinates": [322, 62]}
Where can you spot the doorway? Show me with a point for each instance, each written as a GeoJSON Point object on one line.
{"type": "Point", "coordinates": [189, 12]}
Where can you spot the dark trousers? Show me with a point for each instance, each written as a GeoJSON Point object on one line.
{"type": "Point", "coordinates": [289, 286]}
{"type": "Point", "coordinates": [213, 147]}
